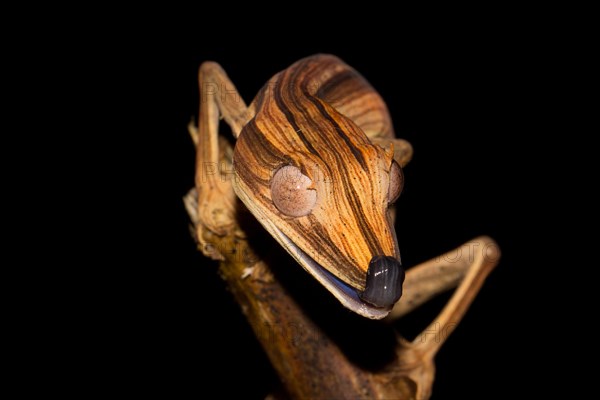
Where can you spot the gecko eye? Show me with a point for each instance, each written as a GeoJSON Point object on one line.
{"type": "Point", "coordinates": [396, 182]}
{"type": "Point", "coordinates": [290, 193]}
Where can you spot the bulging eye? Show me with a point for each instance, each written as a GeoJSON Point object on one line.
{"type": "Point", "coordinates": [290, 194]}
{"type": "Point", "coordinates": [396, 182]}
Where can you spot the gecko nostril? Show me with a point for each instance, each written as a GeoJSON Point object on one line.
{"type": "Point", "coordinates": [384, 281]}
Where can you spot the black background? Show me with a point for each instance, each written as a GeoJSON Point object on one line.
{"type": "Point", "coordinates": [172, 326]}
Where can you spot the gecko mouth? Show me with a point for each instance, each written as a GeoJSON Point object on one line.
{"type": "Point", "coordinates": [346, 294]}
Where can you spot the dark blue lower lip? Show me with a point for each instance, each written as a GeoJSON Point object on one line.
{"type": "Point", "coordinates": [346, 294]}
{"type": "Point", "coordinates": [343, 286]}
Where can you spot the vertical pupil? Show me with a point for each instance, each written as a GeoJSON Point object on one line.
{"type": "Point", "coordinates": [290, 193]}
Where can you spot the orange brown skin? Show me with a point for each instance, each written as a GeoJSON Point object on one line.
{"type": "Point", "coordinates": [315, 118]}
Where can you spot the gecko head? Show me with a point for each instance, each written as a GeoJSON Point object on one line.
{"type": "Point", "coordinates": [325, 195]}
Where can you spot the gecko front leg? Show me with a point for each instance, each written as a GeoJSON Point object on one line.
{"type": "Point", "coordinates": [215, 210]}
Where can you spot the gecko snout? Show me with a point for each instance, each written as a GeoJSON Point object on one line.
{"type": "Point", "coordinates": [384, 281]}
